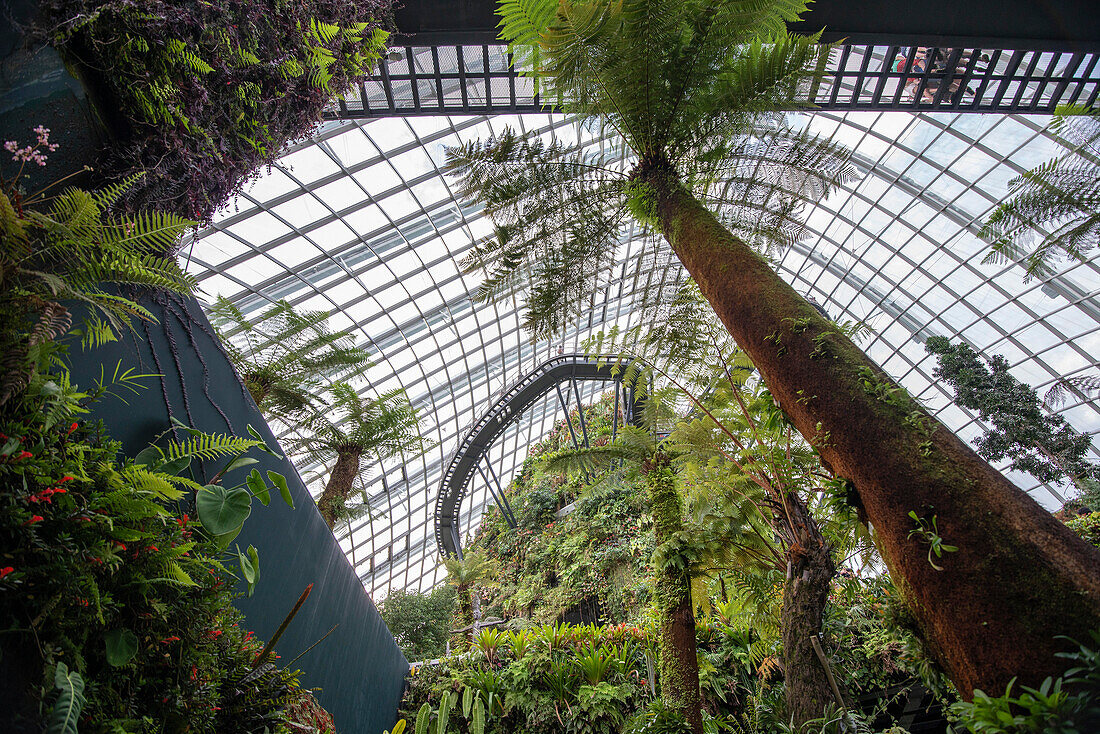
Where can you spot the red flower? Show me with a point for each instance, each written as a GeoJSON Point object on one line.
{"type": "Point", "coordinates": [34, 519]}
{"type": "Point", "coordinates": [23, 455]}
{"type": "Point", "coordinates": [72, 428]}
{"type": "Point", "coordinates": [65, 478]}
{"type": "Point", "coordinates": [173, 638]}
{"type": "Point", "coordinates": [153, 548]}
{"type": "Point", "coordinates": [5, 571]}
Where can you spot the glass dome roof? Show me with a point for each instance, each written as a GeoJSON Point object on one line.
{"type": "Point", "coordinates": [359, 221]}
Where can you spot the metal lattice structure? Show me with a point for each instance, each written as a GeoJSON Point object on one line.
{"type": "Point", "coordinates": [359, 221]}
{"type": "Point", "coordinates": [480, 79]}
{"type": "Point", "coordinates": [567, 370]}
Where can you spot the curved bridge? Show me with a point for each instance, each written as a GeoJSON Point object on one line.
{"type": "Point", "coordinates": [565, 370]}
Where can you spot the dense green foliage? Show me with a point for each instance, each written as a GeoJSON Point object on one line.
{"type": "Point", "coordinates": [200, 95]}
{"type": "Point", "coordinates": [419, 622]}
{"type": "Point", "coordinates": [65, 248]}
{"type": "Point", "coordinates": [1039, 443]}
{"type": "Point", "coordinates": [688, 87]}
{"type": "Point", "coordinates": [588, 566]}
{"type": "Point", "coordinates": [115, 572]}
{"type": "Point", "coordinates": [107, 573]}
{"type": "Point", "coordinates": [1069, 704]}
{"type": "Point", "coordinates": [594, 564]}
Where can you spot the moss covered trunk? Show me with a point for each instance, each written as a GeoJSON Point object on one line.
{"type": "Point", "coordinates": [339, 486]}
{"type": "Point", "coordinates": [809, 576]}
{"type": "Point", "coordinates": [1019, 577]}
{"type": "Point", "coordinates": [678, 663]}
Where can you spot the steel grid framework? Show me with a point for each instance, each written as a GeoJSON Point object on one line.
{"type": "Point", "coordinates": [565, 369]}
{"type": "Point", "coordinates": [480, 79]}
{"type": "Point", "coordinates": [360, 221]}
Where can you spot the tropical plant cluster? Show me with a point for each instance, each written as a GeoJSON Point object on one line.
{"type": "Point", "coordinates": [576, 592]}
{"type": "Point", "coordinates": [419, 622]}
{"type": "Point", "coordinates": [117, 574]}
{"type": "Point", "coordinates": [583, 581]}
{"type": "Point", "coordinates": [200, 95]}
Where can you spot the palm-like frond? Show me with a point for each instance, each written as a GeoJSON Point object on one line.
{"type": "Point", "coordinates": [284, 354]}
{"type": "Point", "coordinates": [70, 250]}
{"type": "Point", "coordinates": [632, 444]}
{"type": "Point", "coordinates": [558, 216]}
{"type": "Point", "coordinates": [383, 427]}
{"type": "Point", "coordinates": [1061, 196]}
{"type": "Point", "coordinates": [697, 84]}
{"type": "Point", "coordinates": [1060, 390]}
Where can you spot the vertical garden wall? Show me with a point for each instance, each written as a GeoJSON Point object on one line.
{"type": "Point", "coordinates": [359, 668]}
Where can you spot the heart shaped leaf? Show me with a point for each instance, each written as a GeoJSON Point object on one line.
{"type": "Point", "coordinates": [222, 510]}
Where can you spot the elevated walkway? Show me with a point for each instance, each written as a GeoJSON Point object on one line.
{"type": "Point", "coordinates": [565, 370]}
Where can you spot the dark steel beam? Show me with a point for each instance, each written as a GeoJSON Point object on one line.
{"type": "Point", "coordinates": [1053, 25]}
{"type": "Point", "coordinates": [967, 78]}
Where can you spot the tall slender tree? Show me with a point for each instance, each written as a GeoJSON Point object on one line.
{"type": "Point", "coordinates": [685, 84]}
{"type": "Point", "coordinates": [1039, 443]}
{"type": "Point", "coordinates": [350, 427]}
{"type": "Point", "coordinates": [672, 574]}
{"type": "Point", "coordinates": [749, 484]}
{"type": "Point", "coordinates": [466, 575]}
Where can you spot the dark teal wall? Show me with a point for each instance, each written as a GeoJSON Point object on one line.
{"type": "Point", "coordinates": [359, 668]}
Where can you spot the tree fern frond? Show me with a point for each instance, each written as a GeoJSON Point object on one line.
{"type": "Point", "coordinates": [209, 446]}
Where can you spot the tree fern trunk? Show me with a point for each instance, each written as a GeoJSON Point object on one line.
{"type": "Point", "coordinates": [804, 595]}
{"type": "Point", "coordinates": [1019, 577]}
{"type": "Point", "coordinates": [339, 486]}
{"type": "Point", "coordinates": [678, 663]}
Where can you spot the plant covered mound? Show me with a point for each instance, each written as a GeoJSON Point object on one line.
{"type": "Point", "coordinates": [577, 650]}
{"type": "Point", "coordinates": [199, 95]}
{"type": "Point", "coordinates": [587, 565]}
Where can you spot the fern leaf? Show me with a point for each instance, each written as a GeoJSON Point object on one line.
{"type": "Point", "coordinates": [209, 446]}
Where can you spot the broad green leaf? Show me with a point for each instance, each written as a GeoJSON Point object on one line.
{"type": "Point", "coordinates": [254, 557]}
{"type": "Point", "coordinates": [423, 719]}
{"type": "Point", "coordinates": [223, 540]}
{"type": "Point", "coordinates": [70, 701]}
{"type": "Point", "coordinates": [221, 510]}
{"type": "Point", "coordinates": [467, 701]}
{"type": "Point", "coordinates": [149, 456]}
{"type": "Point", "coordinates": [264, 447]}
{"type": "Point", "coordinates": [122, 646]}
{"type": "Point", "coordinates": [477, 724]}
{"type": "Point", "coordinates": [280, 481]}
{"type": "Point", "coordinates": [240, 462]}
{"type": "Point", "coordinates": [175, 466]}
{"type": "Point", "coordinates": [247, 571]}
{"type": "Point", "coordinates": [444, 713]}
{"type": "Point", "coordinates": [258, 487]}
